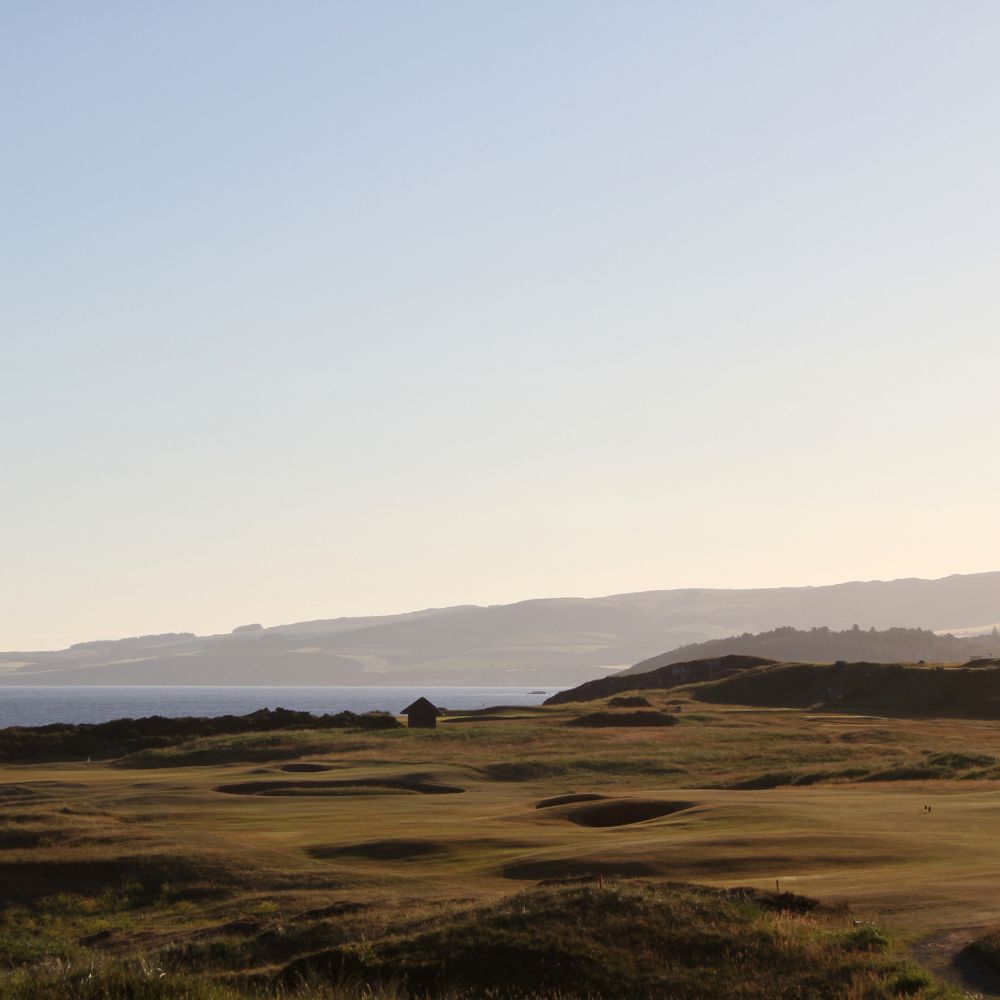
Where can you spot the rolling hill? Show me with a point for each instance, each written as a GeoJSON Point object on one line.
{"type": "Point", "coordinates": [560, 641]}
{"type": "Point", "coordinates": [824, 645]}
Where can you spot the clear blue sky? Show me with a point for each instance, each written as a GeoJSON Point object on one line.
{"type": "Point", "coordinates": [339, 308]}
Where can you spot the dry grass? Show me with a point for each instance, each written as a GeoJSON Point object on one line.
{"type": "Point", "coordinates": [101, 863]}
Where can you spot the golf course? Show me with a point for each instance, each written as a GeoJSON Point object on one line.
{"type": "Point", "coordinates": [683, 848]}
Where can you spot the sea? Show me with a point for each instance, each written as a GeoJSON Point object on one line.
{"type": "Point", "coordinates": [39, 706]}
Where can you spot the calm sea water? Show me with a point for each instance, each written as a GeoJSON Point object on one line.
{"type": "Point", "coordinates": [37, 706]}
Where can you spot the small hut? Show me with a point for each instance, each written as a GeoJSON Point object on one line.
{"type": "Point", "coordinates": [422, 714]}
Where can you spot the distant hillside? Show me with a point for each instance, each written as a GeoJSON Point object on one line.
{"type": "Point", "coordinates": [662, 679]}
{"type": "Point", "coordinates": [823, 645]}
{"type": "Point", "coordinates": [891, 689]}
{"type": "Point", "coordinates": [543, 643]}
{"type": "Point", "coordinates": [971, 691]}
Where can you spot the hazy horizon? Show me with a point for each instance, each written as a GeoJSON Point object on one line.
{"type": "Point", "coordinates": [227, 629]}
{"type": "Point", "coordinates": [352, 309]}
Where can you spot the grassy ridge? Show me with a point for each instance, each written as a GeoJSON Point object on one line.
{"type": "Point", "coordinates": [106, 740]}
{"type": "Point", "coordinates": [667, 677]}
{"type": "Point", "coordinates": [614, 940]}
{"type": "Point", "coordinates": [824, 645]}
{"type": "Point", "coordinates": [970, 691]}
{"type": "Point", "coordinates": [633, 940]}
{"type": "Point", "coordinates": [891, 688]}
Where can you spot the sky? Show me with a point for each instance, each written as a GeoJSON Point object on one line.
{"type": "Point", "coordinates": [342, 308]}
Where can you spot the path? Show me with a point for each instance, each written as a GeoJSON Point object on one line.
{"type": "Point", "coordinates": [942, 955]}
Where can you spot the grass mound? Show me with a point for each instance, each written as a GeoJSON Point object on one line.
{"type": "Point", "coordinates": [617, 941]}
{"type": "Point", "coordinates": [943, 766]}
{"type": "Point", "coordinates": [238, 748]}
{"type": "Point", "coordinates": [957, 761]}
{"type": "Point", "coordinates": [779, 779]}
{"type": "Point", "coordinates": [662, 679]}
{"type": "Point", "coordinates": [578, 767]}
{"type": "Point", "coordinates": [565, 800]}
{"type": "Point", "coordinates": [341, 786]}
{"type": "Point", "coordinates": [130, 880]}
{"type": "Point", "coordinates": [985, 949]}
{"type": "Point", "coordinates": [630, 701]}
{"type": "Point", "coordinates": [600, 720]}
{"type": "Point", "coordinates": [50, 825]}
{"type": "Point", "coordinates": [885, 688]}
{"type": "Point", "coordinates": [18, 792]}
{"type": "Point", "coordinates": [521, 770]}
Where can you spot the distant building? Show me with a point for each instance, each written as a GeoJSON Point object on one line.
{"type": "Point", "coordinates": [422, 714]}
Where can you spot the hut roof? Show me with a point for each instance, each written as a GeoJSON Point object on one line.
{"type": "Point", "coordinates": [421, 705]}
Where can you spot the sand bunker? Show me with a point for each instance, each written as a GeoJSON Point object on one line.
{"type": "Point", "coordinates": [391, 849]}
{"type": "Point", "coordinates": [623, 812]}
{"type": "Point", "coordinates": [343, 786]}
{"type": "Point", "coordinates": [565, 800]}
{"type": "Point", "coordinates": [380, 850]}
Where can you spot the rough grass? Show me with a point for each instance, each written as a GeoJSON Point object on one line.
{"type": "Point", "coordinates": [109, 740]}
{"type": "Point", "coordinates": [629, 701]}
{"type": "Point", "coordinates": [929, 767]}
{"type": "Point", "coordinates": [141, 979]}
{"type": "Point", "coordinates": [209, 751]}
{"type": "Point", "coordinates": [892, 688]}
{"type": "Point", "coordinates": [91, 881]}
{"type": "Point", "coordinates": [986, 948]}
{"type": "Point", "coordinates": [595, 720]}
{"type": "Point", "coordinates": [631, 940]}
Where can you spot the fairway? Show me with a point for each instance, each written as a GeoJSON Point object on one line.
{"type": "Point", "coordinates": [488, 803]}
{"type": "Point", "coordinates": [873, 845]}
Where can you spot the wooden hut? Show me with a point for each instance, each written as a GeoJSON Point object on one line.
{"type": "Point", "coordinates": [422, 714]}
